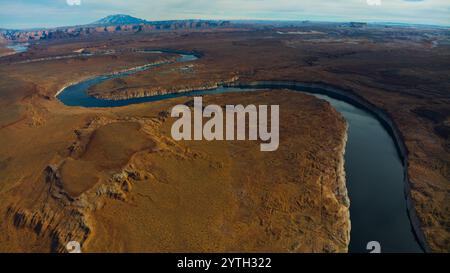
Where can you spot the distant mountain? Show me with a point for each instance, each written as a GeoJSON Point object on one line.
{"type": "Point", "coordinates": [119, 19]}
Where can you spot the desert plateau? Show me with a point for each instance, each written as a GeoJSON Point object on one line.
{"type": "Point", "coordinates": [87, 153]}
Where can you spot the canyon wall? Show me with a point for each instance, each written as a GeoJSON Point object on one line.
{"type": "Point", "coordinates": [77, 31]}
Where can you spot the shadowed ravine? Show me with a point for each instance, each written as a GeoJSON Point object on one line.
{"type": "Point", "coordinates": [373, 164]}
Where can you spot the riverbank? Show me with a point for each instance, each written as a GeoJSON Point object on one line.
{"type": "Point", "coordinates": [342, 192]}
{"type": "Point", "coordinates": [119, 72]}
{"type": "Point", "coordinates": [141, 92]}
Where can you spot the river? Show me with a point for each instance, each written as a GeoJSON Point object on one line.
{"type": "Point", "coordinates": [18, 47]}
{"type": "Point", "coordinates": [373, 166]}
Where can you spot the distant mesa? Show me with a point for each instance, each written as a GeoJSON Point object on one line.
{"type": "Point", "coordinates": [120, 19]}
{"type": "Point", "coordinates": [109, 24]}
{"type": "Point", "coordinates": [358, 24]}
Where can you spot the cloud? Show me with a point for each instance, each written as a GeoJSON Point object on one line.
{"type": "Point", "coordinates": [73, 2]}
{"type": "Point", "coordinates": [374, 2]}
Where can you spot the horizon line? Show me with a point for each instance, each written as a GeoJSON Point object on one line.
{"type": "Point", "coordinates": [231, 20]}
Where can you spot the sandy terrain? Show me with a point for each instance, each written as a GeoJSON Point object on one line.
{"type": "Point", "coordinates": [151, 193]}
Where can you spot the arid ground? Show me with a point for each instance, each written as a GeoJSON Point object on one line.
{"type": "Point", "coordinates": [115, 180]}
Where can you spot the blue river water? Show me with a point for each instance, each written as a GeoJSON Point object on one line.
{"type": "Point", "coordinates": [19, 47]}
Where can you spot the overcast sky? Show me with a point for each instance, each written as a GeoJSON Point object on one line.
{"type": "Point", "coordinates": [51, 13]}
